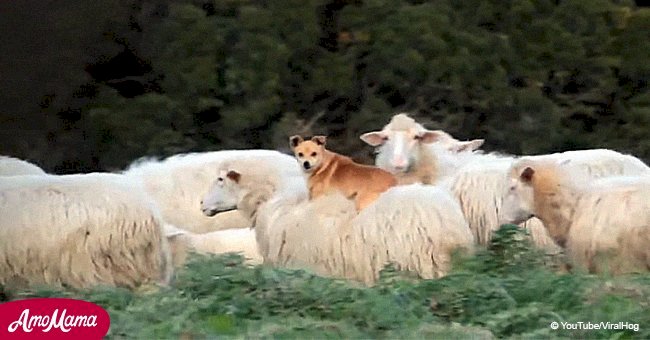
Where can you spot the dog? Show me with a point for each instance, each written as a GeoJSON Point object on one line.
{"type": "Point", "coordinates": [327, 171]}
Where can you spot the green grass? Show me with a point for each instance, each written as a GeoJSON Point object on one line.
{"type": "Point", "coordinates": [506, 290]}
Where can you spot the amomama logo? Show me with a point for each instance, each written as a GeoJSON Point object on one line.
{"type": "Point", "coordinates": [52, 318]}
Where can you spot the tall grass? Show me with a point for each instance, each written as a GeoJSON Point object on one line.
{"type": "Point", "coordinates": [505, 290]}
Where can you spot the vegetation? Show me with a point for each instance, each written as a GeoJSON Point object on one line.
{"type": "Point", "coordinates": [504, 290]}
{"type": "Point", "coordinates": [96, 85]}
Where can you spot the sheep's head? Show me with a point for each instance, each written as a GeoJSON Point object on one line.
{"type": "Point", "coordinates": [398, 141]}
{"type": "Point", "coordinates": [519, 198]}
{"type": "Point", "coordinates": [224, 194]}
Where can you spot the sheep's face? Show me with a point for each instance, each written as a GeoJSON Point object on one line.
{"type": "Point", "coordinates": [223, 194]}
{"type": "Point", "coordinates": [397, 150]}
{"type": "Point", "coordinates": [308, 153]}
{"type": "Point", "coordinates": [518, 202]}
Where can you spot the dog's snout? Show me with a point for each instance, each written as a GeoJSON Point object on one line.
{"type": "Point", "coordinates": [306, 165]}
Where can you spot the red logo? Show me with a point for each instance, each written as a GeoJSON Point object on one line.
{"type": "Point", "coordinates": [52, 318]}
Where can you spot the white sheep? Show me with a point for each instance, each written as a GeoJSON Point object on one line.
{"type": "Point", "coordinates": [241, 240]}
{"type": "Point", "coordinates": [415, 227]}
{"type": "Point", "coordinates": [476, 179]}
{"type": "Point", "coordinates": [10, 166]}
{"type": "Point", "coordinates": [603, 224]}
{"type": "Point", "coordinates": [177, 184]}
{"type": "Point", "coordinates": [79, 231]}
{"type": "Point", "coordinates": [480, 186]}
{"type": "Point", "coordinates": [404, 147]}
{"type": "Point", "coordinates": [415, 154]}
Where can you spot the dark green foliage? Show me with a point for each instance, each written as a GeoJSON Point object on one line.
{"type": "Point", "coordinates": [125, 79]}
{"type": "Point", "coordinates": [504, 290]}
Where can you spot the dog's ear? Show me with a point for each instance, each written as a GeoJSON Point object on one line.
{"type": "Point", "coordinates": [320, 140]}
{"type": "Point", "coordinates": [234, 175]}
{"type": "Point", "coordinates": [295, 140]}
{"type": "Point", "coordinates": [527, 175]}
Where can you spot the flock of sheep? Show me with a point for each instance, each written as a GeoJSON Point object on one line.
{"type": "Point", "coordinates": [137, 226]}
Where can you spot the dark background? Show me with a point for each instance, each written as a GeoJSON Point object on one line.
{"type": "Point", "coordinates": [93, 85]}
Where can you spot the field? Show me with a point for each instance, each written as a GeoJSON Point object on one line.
{"type": "Point", "coordinates": [506, 290]}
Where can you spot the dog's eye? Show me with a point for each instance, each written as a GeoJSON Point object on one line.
{"type": "Point", "coordinates": [220, 179]}
{"type": "Point", "coordinates": [300, 154]}
{"type": "Point", "coordinates": [313, 154]}
{"type": "Point", "coordinates": [512, 188]}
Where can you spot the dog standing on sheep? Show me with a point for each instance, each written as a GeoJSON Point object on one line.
{"type": "Point", "coordinates": [327, 171]}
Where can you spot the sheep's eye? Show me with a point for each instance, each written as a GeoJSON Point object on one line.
{"type": "Point", "coordinates": [313, 154]}
{"type": "Point", "coordinates": [417, 137]}
{"type": "Point", "coordinates": [300, 154]}
{"type": "Point", "coordinates": [385, 138]}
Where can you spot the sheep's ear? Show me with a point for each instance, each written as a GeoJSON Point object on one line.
{"type": "Point", "coordinates": [428, 136]}
{"type": "Point", "coordinates": [320, 140]}
{"type": "Point", "coordinates": [468, 146]}
{"type": "Point", "coordinates": [527, 175]}
{"type": "Point", "coordinates": [295, 140]}
{"type": "Point", "coordinates": [234, 175]}
{"type": "Point", "coordinates": [375, 138]}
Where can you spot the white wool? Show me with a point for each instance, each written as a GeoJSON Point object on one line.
{"type": "Point", "coordinates": [10, 166]}
{"type": "Point", "coordinates": [479, 188]}
{"type": "Point", "coordinates": [79, 231]}
{"type": "Point", "coordinates": [416, 227]}
{"type": "Point", "coordinates": [598, 163]}
{"type": "Point", "coordinates": [327, 236]}
{"type": "Point", "coordinates": [604, 224]}
{"type": "Point", "coordinates": [240, 241]}
{"type": "Point", "coordinates": [610, 229]}
{"type": "Point", "coordinates": [178, 183]}
{"type": "Point", "coordinates": [480, 183]}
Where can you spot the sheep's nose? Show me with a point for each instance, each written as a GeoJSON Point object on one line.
{"type": "Point", "coordinates": [400, 164]}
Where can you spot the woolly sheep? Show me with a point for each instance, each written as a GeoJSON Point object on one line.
{"type": "Point", "coordinates": [79, 231]}
{"type": "Point", "coordinates": [10, 166]}
{"type": "Point", "coordinates": [416, 154]}
{"type": "Point", "coordinates": [477, 180]}
{"type": "Point", "coordinates": [603, 224]}
{"type": "Point", "coordinates": [415, 227]}
{"type": "Point", "coordinates": [404, 147]}
{"type": "Point", "coordinates": [478, 188]}
{"type": "Point", "coordinates": [240, 240]}
{"type": "Point", "coordinates": [178, 183]}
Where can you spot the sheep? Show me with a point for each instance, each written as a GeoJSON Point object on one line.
{"type": "Point", "coordinates": [477, 179]}
{"type": "Point", "coordinates": [416, 227]}
{"type": "Point", "coordinates": [404, 147]}
{"type": "Point", "coordinates": [10, 166]}
{"type": "Point", "coordinates": [603, 224]}
{"type": "Point", "coordinates": [416, 154]}
{"type": "Point", "coordinates": [79, 231]}
{"type": "Point", "coordinates": [178, 182]}
{"type": "Point", "coordinates": [480, 186]}
{"type": "Point", "coordinates": [240, 240]}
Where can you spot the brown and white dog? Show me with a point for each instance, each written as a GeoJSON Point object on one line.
{"type": "Point", "coordinates": [327, 171]}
